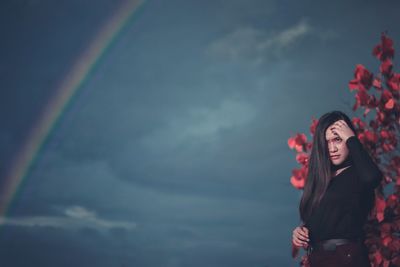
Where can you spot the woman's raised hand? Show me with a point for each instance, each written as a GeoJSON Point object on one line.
{"type": "Point", "coordinates": [300, 237]}
{"type": "Point", "coordinates": [342, 129]}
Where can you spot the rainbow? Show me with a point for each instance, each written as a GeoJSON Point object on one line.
{"type": "Point", "coordinates": [56, 106]}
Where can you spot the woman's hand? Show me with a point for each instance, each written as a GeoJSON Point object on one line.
{"type": "Point", "coordinates": [341, 128]}
{"type": "Point", "coordinates": [300, 237]}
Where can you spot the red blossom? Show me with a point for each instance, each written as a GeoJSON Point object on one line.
{"type": "Point", "coordinates": [385, 49]}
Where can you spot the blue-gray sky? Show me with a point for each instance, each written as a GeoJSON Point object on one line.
{"type": "Point", "coordinates": [174, 152]}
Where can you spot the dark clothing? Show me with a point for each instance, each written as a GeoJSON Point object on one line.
{"type": "Point", "coordinates": [344, 208]}
{"type": "Point", "coordinates": [347, 255]}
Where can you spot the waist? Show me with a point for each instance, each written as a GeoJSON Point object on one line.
{"type": "Point", "coordinates": [332, 244]}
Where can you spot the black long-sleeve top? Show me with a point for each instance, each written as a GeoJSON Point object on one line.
{"type": "Point", "coordinates": [344, 208]}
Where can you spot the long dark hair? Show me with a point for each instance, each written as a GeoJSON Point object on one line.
{"type": "Point", "coordinates": [319, 164]}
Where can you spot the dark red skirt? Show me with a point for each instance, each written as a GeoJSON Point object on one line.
{"type": "Point", "coordinates": [347, 255]}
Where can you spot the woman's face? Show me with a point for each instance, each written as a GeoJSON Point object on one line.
{"type": "Point", "coordinates": [338, 150]}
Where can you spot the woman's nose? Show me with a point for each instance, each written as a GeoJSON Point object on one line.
{"type": "Point", "coordinates": [332, 148]}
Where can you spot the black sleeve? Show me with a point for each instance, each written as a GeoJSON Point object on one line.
{"type": "Point", "coordinates": [369, 173]}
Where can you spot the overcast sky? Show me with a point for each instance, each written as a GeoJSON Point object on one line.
{"type": "Point", "coordinates": [174, 152]}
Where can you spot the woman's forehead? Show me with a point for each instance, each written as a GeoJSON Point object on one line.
{"type": "Point", "coordinates": [329, 134]}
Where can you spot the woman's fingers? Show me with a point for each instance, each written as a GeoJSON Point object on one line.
{"type": "Point", "coordinates": [300, 237]}
{"type": "Point", "coordinates": [303, 233]}
{"type": "Point", "coordinates": [298, 242]}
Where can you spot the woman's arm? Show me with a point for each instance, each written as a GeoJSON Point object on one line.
{"type": "Point", "coordinates": [369, 173]}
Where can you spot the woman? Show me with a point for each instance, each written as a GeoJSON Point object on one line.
{"type": "Point", "coordinates": [338, 195]}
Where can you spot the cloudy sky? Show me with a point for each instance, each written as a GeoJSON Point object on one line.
{"type": "Point", "coordinates": [174, 151]}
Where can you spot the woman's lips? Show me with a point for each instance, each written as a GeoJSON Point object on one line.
{"type": "Point", "coordinates": [335, 157]}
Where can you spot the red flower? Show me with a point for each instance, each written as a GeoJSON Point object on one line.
{"type": "Point", "coordinates": [385, 49]}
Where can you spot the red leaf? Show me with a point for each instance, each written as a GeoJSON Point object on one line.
{"type": "Point", "coordinates": [384, 134]}
{"type": "Point", "coordinates": [297, 142]}
{"type": "Point", "coordinates": [392, 201]}
{"type": "Point", "coordinates": [389, 104]}
{"type": "Point", "coordinates": [370, 136]}
{"type": "Point", "coordinates": [394, 82]}
{"type": "Point", "coordinates": [366, 112]}
{"type": "Point", "coordinates": [385, 49]}
{"type": "Point", "coordinates": [362, 79]}
{"type": "Point", "coordinates": [395, 245]}
{"type": "Point", "coordinates": [353, 85]}
{"type": "Point", "coordinates": [298, 177]}
{"type": "Point", "coordinates": [386, 240]}
{"type": "Point", "coordinates": [358, 123]}
{"type": "Point", "coordinates": [386, 67]}
{"type": "Point", "coordinates": [386, 263]}
{"type": "Point", "coordinates": [378, 257]}
{"type": "Point", "coordinates": [380, 204]}
{"type": "Point", "coordinates": [291, 142]}
{"type": "Point", "coordinates": [302, 158]}
{"type": "Point", "coordinates": [313, 126]}
{"type": "Point", "coordinates": [377, 83]}
{"type": "Point", "coordinates": [396, 261]}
